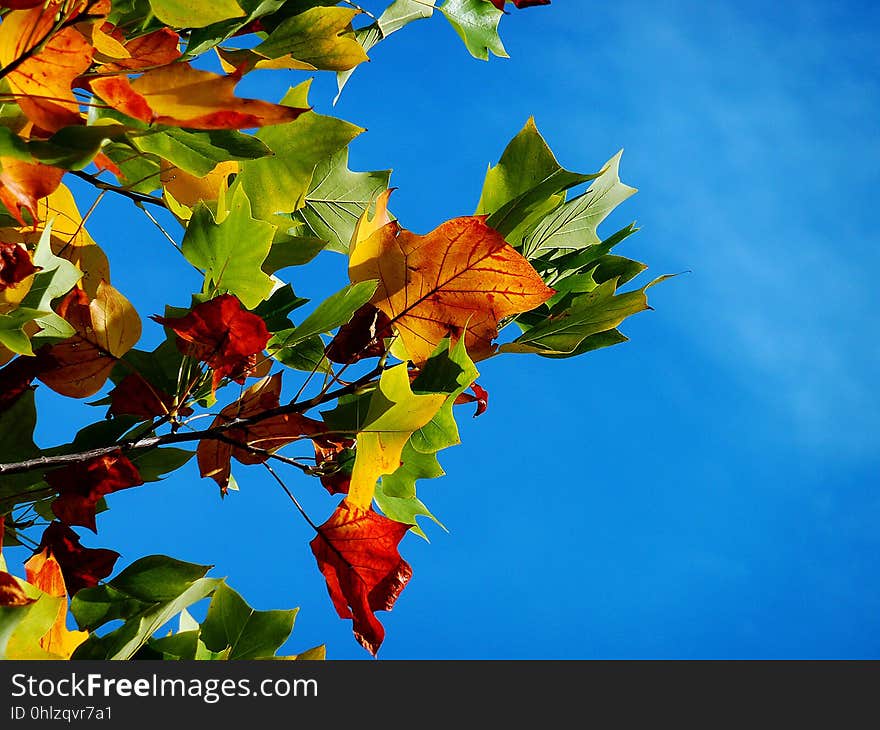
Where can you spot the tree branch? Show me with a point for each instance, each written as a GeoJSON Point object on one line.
{"type": "Point", "coordinates": [101, 185]}
{"type": "Point", "coordinates": [216, 433]}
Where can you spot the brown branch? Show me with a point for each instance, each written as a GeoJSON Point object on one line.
{"type": "Point", "coordinates": [216, 432]}
{"type": "Point", "coordinates": [101, 185]}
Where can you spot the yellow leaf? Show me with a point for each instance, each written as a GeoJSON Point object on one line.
{"type": "Point", "coordinates": [189, 190]}
{"type": "Point", "coordinates": [462, 278]}
{"type": "Point", "coordinates": [394, 413]}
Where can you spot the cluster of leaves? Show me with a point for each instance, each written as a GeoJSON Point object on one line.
{"type": "Point", "coordinates": [120, 94]}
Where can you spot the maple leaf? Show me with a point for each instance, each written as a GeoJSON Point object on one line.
{"type": "Point", "coordinates": [363, 336]}
{"type": "Point", "coordinates": [81, 567]}
{"type": "Point", "coordinates": [44, 572]}
{"type": "Point", "coordinates": [42, 82]}
{"type": "Point", "coordinates": [334, 457]}
{"type": "Point", "coordinates": [106, 328]}
{"type": "Point", "coordinates": [22, 184]}
{"type": "Point", "coordinates": [269, 434]}
{"type": "Point", "coordinates": [356, 550]}
{"type": "Point", "coordinates": [15, 265]}
{"type": "Point", "coordinates": [81, 485]}
{"type": "Point", "coordinates": [182, 96]}
{"type": "Point", "coordinates": [460, 279]}
{"type": "Point", "coordinates": [222, 334]}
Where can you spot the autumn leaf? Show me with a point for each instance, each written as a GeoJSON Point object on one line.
{"type": "Point", "coordinates": [44, 572]}
{"type": "Point", "coordinates": [15, 379]}
{"type": "Point", "coordinates": [106, 328]}
{"type": "Point", "coordinates": [158, 48]}
{"type": "Point", "coordinates": [42, 82]}
{"type": "Point", "coordinates": [11, 593]}
{"type": "Point", "coordinates": [460, 279]}
{"type": "Point", "coordinates": [23, 184]}
{"type": "Point", "coordinates": [15, 265]}
{"type": "Point", "coordinates": [182, 96]}
{"type": "Point", "coordinates": [191, 189]}
{"type": "Point", "coordinates": [334, 459]}
{"type": "Point", "coordinates": [81, 485]}
{"type": "Point", "coordinates": [81, 567]}
{"type": "Point", "coordinates": [222, 334]}
{"type": "Point", "coordinates": [269, 434]}
{"type": "Point", "coordinates": [356, 550]}
{"type": "Point", "coordinates": [134, 396]}
{"type": "Point", "coordinates": [362, 337]}
{"type": "Point", "coordinates": [480, 397]}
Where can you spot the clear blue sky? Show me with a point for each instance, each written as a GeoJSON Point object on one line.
{"type": "Point", "coordinates": [708, 489]}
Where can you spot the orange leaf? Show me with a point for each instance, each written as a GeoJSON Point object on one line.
{"type": "Point", "coordinates": [158, 48]}
{"type": "Point", "coordinates": [214, 456]}
{"type": "Point", "coordinates": [460, 277]}
{"type": "Point", "coordinates": [106, 328]}
{"type": "Point", "coordinates": [22, 184]}
{"type": "Point", "coordinates": [356, 550]}
{"type": "Point", "coordinates": [43, 572]}
{"type": "Point", "coordinates": [42, 83]}
{"type": "Point", "coordinates": [81, 567]}
{"type": "Point", "coordinates": [15, 265]}
{"type": "Point", "coordinates": [181, 96]}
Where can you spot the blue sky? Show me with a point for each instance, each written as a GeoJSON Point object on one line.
{"type": "Point", "coordinates": [705, 490]}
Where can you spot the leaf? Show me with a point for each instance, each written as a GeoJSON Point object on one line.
{"type": "Point", "coordinates": [15, 266]}
{"type": "Point", "coordinates": [157, 48]}
{"type": "Point", "coordinates": [179, 95]}
{"type": "Point", "coordinates": [356, 550]}
{"type": "Point", "coordinates": [82, 484]}
{"type": "Point", "coordinates": [268, 435]}
{"type": "Point", "coordinates": [24, 627]}
{"type": "Point", "coordinates": [573, 225]}
{"type": "Point", "coordinates": [231, 624]}
{"type": "Point", "coordinates": [146, 595]}
{"type": "Point", "coordinates": [15, 380]}
{"type": "Point", "coordinates": [318, 38]}
{"type": "Point", "coordinates": [362, 337]}
{"type": "Point", "coordinates": [590, 314]}
{"type": "Point", "coordinates": [393, 414]}
{"type": "Point", "coordinates": [476, 21]}
{"type": "Point", "coordinates": [279, 184]}
{"type": "Point", "coordinates": [396, 493]}
{"type": "Point", "coordinates": [23, 184]}
{"type": "Point", "coordinates": [134, 396]}
{"type": "Point", "coordinates": [222, 334]}
{"type": "Point", "coordinates": [42, 82]}
{"type": "Point", "coordinates": [291, 251]}
{"type": "Point", "coordinates": [337, 199]}
{"type": "Point", "coordinates": [155, 463]}
{"type": "Point", "coordinates": [195, 13]}
{"type": "Point", "coordinates": [198, 153]}
{"type": "Point", "coordinates": [106, 328]}
{"type": "Point", "coordinates": [231, 252]}
{"type": "Point", "coordinates": [81, 567]}
{"type": "Point", "coordinates": [459, 280]}
{"type": "Point", "coordinates": [334, 311]}
{"type": "Point", "coordinates": [480, 397]}
{"type": "Point", "coordinates": [44, 573]}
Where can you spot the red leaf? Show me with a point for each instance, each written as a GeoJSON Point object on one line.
{"type": "Point", "coordinates": [222, 334]}
{"type": "Point", "coordinates": [158, 48]}
{"type": "Point", "coordinates": [356, 551]}
{"type": "Point", "coordinates": [362, 337]}
{"type": "Point", "coordinates": [81, 567]}
{"type": "Point", "coordinates": [480, 397]}
{"type": "Point", "coordinates": [20, 4]}
{"type": "Point", "coordinates": [15, 264]}
{"type": "Point", "coordinates": [15, 379]}
{"type": "Point", "coordinates": [22, 184]}
{"type": "Point", "coordinates": [270, 434]}
{"type": "Point", "coordinates": [82, 485]}
{"type": "Point", "coordinates": [134, 396]}
{"type": "Point", "coordinates": [11, 593]}
{"type": "Point", "coordinates": [336, 456]}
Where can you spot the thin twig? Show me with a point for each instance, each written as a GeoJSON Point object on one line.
{"type": "Point", "coordinates": [101, 185]}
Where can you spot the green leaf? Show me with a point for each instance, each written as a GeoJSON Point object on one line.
{"type": "Point", "coordinates": [146, 595]}
{"type": "Point", "coordinates": [573, 225]}
{"type": "Point", "coordinates": [12, 334]}
{"type": "Point", "coordinates": [589, 314]}
{"type": "Point", "coordinates": [195, 13]}
{"type": "Point", "coordinates": [231, 624]}
{"type": "Point", "coordinates": [338, 198]}
{"type": "Point", "coordinates": [333, 312]}
{"type": "Point", "coordinates": [396, 493]}
{"type": "Point", "coordinates": [279, 184]}
{"type": "Point", "coordinates": [204, 39]}
{"type": "Point", "coordinates": [275, 310]}
{"type": "Point", "coordinates": [306, 355]}
{"type": "Point", "coordinates": [476, 21]}
{"type": "Point", "coordinates": [22, 627]}
{"type": "Point", "coordinates": [291, 251]}
{"type": "Point", "coordinates": [231, 252]}
{"type": "Point", "coordinates": [200, 152]}
{"type": "Point", "coordinates": [153, 464]}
